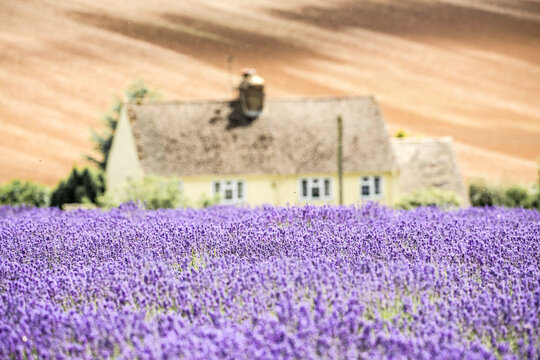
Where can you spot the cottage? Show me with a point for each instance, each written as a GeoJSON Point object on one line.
{"type": "Point", "coordinates": [255, 150]}
{"type": "Point", "coordinates": [277, 151]}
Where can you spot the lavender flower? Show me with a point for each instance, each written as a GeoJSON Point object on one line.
{"type": "Point", "coordinates": [293, 283]}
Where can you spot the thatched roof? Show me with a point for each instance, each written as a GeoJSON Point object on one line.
{"type": "Point", "coordinates": [428, 162]}
{"type": "Point", "coordinates": [291, 136]}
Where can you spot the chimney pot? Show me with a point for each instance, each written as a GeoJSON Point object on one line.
{"type": "Point", "coordinates": [251, 93]}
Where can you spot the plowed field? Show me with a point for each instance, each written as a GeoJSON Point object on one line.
{"type": "Point", "coordinates": [469, 69]}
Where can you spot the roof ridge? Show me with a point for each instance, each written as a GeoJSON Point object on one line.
{"type": "Point", "coordinates": [424, 139]}
{"type": "Point", "coordinates": [271, 99]}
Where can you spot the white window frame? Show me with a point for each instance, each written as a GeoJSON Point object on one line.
{"type": "Point", "coordinates": [232, 186]}
{"type": "Point", "coordinates": [318, 182]}
{"type": "Point", "coordinates": [369, 181]}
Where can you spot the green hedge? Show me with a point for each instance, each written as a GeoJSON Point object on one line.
{"type": "Point", "coordinates": [483, 194]}
{"type": "Point", "coordinates": [428, 197]}
{"type": "Point", "coordinates": [155, 192]}
{"type": "Point", "coordinates": [17, 192]}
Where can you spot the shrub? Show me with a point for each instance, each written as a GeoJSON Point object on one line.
{"type": "Point", "coordinates": [81, 186]}
{"type": "Point", "coordinates": [154, 191]}
{"type": "Point", "coordinates": [533, 201]}
{"type": "Point", "coordinates": [400, 134]}
{"type": "Point", "coordinates": [515, 196]}
{"type": "Point", "coordinates": [483, 194]}
{"type": "Point", "coordinates": [428, 197]}
{"type": "Point", "coordinates": [207, 201]}
{"type": "Point", "coordinates": [17, 192]}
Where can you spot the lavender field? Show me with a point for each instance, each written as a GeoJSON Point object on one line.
{"type": "Point", "coordinates": [267, 283]}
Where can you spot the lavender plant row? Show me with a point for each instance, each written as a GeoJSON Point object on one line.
{"type": "Point", "coordinates": [266, 283]}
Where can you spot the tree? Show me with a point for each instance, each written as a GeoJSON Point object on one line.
{"type": "Point", "coordinates": [81, 186]}
{"type": "Point", "coordinates": [136, 92]}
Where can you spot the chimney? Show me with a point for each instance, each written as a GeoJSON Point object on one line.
{"type": "Point", "coordinates": [251, 93]}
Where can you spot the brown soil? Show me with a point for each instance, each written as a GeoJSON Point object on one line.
{"type": "Point", "coordinates": [469, 69]}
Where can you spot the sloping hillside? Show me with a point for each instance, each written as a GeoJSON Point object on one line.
{"type": "Point", "coordinates": [469, 69]}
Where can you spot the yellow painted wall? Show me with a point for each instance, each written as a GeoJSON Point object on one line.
{"type": "Point", "coordinates": [284, 189]}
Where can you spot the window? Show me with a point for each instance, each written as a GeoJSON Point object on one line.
{"type": "Point", "coordinates": [316, 188]}
{"type": "Point", "coordinates": [371, 187]}
{"type": "Point", "coordinates": [240, 189]}
{"type": "Point", "coordinates": [229, 191]}
{"type": "Point", "coordinates": [304, 188]}
{"type": "Point", "coordinates": [327, 187]}
{"type": "Point", "coordinates": [366, 188]}
{"type": "Point", "coordinates": [377, 185]}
